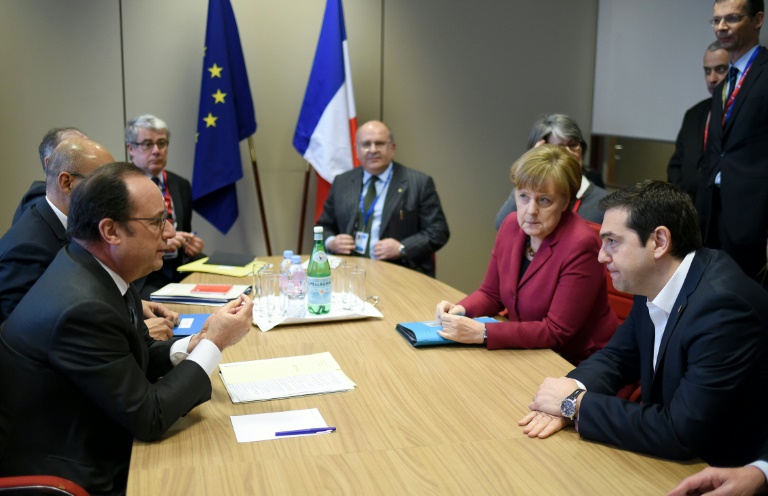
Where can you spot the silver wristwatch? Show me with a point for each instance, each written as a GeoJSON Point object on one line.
{"type": "Point", "coordinates": [568, 406]}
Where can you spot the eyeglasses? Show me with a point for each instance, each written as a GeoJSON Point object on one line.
{"type": "Point", "coordinates": [373, 145]}
{"type": "Point", "coordinates": [729, 20]}
{"type": "Point", "coordinates": [154, 222]}
{"type": "Point", "coordinates": [147, 145]}
{"type": "Point", "coordinates": [76, 174]}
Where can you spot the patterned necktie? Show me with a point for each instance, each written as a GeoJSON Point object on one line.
{"type": "Point", "coordinates": [370, 197]}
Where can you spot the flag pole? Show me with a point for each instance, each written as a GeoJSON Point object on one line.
{"type": "Point", "coordinates": [304, 196]}
{"type": "Point", "coordinates": [258, 194]}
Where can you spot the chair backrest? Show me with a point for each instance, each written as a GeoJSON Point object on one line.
{"type": "Point", "coordinates": [620, 302]}
{"type": "Point", "coordinates": [40, 484]}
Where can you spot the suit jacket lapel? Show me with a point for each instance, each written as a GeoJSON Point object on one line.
{"type": "Point", "coordinates": [398, 188]}
{"type": "Point", "coordinates": [49, 216]}
{"type": "Point", "coordinates": [544, 252]}
{"type": "Point", "coordinates": [754, 73]}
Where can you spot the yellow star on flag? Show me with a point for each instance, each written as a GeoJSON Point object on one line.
{"type": "Point", "coordinates": [218, 97]}
{"type": "Point", "coordinates": [215, 70]}
{"type": "Point", "coordinates": [210, 121]}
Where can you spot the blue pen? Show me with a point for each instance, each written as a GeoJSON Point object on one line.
{"type": "Point", "coordinates": [299, 432]}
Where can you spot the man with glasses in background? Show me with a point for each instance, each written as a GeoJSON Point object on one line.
{"type": "Point", "coordinates": [384, 210]}
{"type": "Point", "coordinates": [682, 170]}
{"type": "Point", "coordinates": [732, 197]}
{"type": "Point", "coordinates": [147, 138]}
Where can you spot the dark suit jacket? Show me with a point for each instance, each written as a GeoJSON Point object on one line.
{"type": "Point", "coordinates": [412, 214]}
{"type": "Point", "coordinates": [588, 207]}
{"type": "Point", "coordinates": [712, 369]}
{"type": "Point", "coordinates": [181, 195]}
{"type": "Point", "coordinates": [36, 191]}
{"type": "Point", "coordinates": [561, 302]}
{"type": "Point", "coordinates": [739, 152]}
{"type": "Point", "coordinates": [682, 170]}
{"type": "Point", "coordinates": [26, 250]}
{"type": "Point", "coordinates": [78, 381]}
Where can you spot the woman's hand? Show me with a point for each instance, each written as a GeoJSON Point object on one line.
{"type": "Point", "coordinates": [461, 329]}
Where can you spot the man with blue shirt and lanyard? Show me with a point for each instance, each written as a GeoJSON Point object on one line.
{"type": "Point", "coordinates": [399, 220]}
{"type": "Point", "coordinates": [732, 197]}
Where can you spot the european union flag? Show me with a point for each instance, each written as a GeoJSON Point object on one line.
{"type": "Point", "coordinates": [226, 117]}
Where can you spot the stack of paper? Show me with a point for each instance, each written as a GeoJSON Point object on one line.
{"type": "Point", "coordinates": [266, 323]}
{"type": "Point", "coordinates": [198, 294]}
{"type": "Point", "coordinates": [223, 270]}
{"type": "Point", "coordinates": [264, 426]}
{"type": "Point", "coordinates": [270, 379]}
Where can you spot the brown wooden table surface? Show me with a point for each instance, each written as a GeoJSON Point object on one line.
{"type": "Point", "coordinates": [439, 420]}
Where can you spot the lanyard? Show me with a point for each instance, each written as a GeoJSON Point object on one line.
{"type": "Point", "coordinates": [729, 104]}
{"type": "Point", "coordinates": [367, 216]}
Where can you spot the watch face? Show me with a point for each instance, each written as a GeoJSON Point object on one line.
{"type": "Point", "coordinates": [568, 408]}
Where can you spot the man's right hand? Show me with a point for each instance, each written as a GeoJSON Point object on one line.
{"type": "Point", "coordinates": [343, 244]}
{"type": "Point", "coordinates": [230, 323]}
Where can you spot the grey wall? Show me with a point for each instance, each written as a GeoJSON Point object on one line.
{"type": "Point", "coordinates": [459, 84]}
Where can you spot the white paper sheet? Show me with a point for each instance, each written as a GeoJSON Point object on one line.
{"type": "Point", "coordinates": [263, 426]}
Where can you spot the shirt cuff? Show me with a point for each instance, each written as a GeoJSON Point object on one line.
{"type": "Point", "coordinates": [328, 241]}
{"type": "Point", "coordinates": [206, 354]}
{"type": "Point", "coordinates": [763, 466]}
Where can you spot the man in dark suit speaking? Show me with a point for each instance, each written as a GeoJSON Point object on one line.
{"type": "Point", "coordinates": [80, 377]}
{"type": "Point", "coordinates": [696, 339]}
{"type": "Point", "coordinates": [384, 210]}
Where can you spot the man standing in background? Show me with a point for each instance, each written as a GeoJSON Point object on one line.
{"type": "Point", "coordinates": [732, 198]}
{"type": "Point", "coordinates": [689, 147]}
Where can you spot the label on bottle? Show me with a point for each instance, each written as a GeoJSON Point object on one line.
{"type": "Point", "coordinates": [319, 291]}
{"type": "Point", "coordinates": [319, 256]}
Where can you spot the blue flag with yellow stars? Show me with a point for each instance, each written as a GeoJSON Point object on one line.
{"type": "Point", "coordinates": [226, 117]}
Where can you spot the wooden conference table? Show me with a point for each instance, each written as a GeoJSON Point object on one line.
{"type": "Point", "coordinates": [439, 420]}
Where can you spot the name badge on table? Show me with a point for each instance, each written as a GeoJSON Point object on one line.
{"type": "Point", "coordinates": [361, 242]}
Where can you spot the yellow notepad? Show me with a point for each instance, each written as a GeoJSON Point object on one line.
{"type": "Point", "coordinates": [224, 270]}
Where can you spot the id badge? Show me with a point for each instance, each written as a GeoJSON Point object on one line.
{"type": "Point", "coordinates": [361, 242]}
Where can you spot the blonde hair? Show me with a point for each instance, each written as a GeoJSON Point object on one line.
{"type": "Point", "coordinates": [547, 163]}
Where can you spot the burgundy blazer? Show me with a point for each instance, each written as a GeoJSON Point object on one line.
{"type": "Point", "coordinates": [561, 302]}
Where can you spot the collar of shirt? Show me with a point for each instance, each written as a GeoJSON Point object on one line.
{"type": "Point", "coordinates": [121, 284]}
{"type": "Point", "coordinates": [383, 176]}
{"type": "Point", "coordinates": [661, 306]}
{"type": "Point", "coordinates": [59, 213]}
{"type": "Point", "coordinates": [583, 188]}
{"type": "Point", "coordinates": [159, 178]}
{"type": "Point", "coordinates": [741, 64]}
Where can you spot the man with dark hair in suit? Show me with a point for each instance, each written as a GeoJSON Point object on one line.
{"type": "Point", "coordinates": [399, 220]}
{"type": "Point", "coordinates": [80, 377]}
{"type": "Point", "coordinates": [50, 141]}
{"type": "Point", "coordinates": [147, 139]}
{"type": "Point", "coordinates": [732, 198]}
{"type": "Point", "coordinates": [696, 339]}
{"type": "Point", "coordinates": [682, 170]}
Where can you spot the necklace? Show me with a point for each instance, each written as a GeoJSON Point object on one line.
{"type": "Point", "coordinates": [529, 250]}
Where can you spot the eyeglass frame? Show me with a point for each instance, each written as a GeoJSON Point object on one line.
{"type": "Point", "coordinates": [375, 145]}
{"type": "Point", "coordinates": [75, 174]}
{"type": "Point", "coordinates": [155, 222]}
{"type": "Point", "coordinates": [148, 145]}
{"type": "Point", "coordinates": [729, 19]}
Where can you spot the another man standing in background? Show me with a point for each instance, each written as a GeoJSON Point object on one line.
{"type": "Point", "coordinates": [147, 139]}
{"type": "Point", "coordinates": [399, 220]}
{"type": "Point", "coordinates": [683, 169]}
{"type": "Point", "coordinates": [732, 198]}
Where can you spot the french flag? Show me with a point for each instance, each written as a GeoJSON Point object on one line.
{"type": "Point", "coordinates": [325, 133]}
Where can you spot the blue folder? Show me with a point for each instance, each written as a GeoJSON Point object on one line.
{"type": "Point", "coordinates": [425, 333]}
{"type": "Point", "coordinates": [190, 323]}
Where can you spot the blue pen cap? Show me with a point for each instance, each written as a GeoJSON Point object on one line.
{"type": "Point", "coordinates": [287, 254]}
